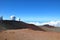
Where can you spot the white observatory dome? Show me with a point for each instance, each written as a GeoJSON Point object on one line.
{"type": "Point", "coordinates": [13, 17]}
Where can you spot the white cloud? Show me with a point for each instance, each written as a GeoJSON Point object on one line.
{"type": "Point", "coordinates": [36, 23]}
{"type": "Point", "coordinates": [18, 19]}
{"type": "Point", "coordinates": [53, 23]}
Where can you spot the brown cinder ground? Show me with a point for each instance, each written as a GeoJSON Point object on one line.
{"type": "Point", "coordinates": [28, 34]}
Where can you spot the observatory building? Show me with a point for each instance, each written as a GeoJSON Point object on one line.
{"type": "Point", "coordinates": [13, 18]}
{"type": "Point", "coordinates": [1, 17]}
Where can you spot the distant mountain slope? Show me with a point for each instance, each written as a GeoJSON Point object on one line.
{"type": "Point", "coordinates": [50, 28]}
{"type": "Point", "coordinates": [10, 24]}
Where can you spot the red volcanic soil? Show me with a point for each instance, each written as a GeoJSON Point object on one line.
{"type": "Point", "coordinates": [28, 34]}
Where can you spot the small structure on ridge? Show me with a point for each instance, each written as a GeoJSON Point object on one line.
{"type": "Point", "coordinates": [1, 17]}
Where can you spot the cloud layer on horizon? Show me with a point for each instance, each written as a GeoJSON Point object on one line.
{"type": "Point", "coordinates": [53, 23]}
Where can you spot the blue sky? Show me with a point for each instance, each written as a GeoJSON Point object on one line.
{"type": "Point", "coordinates": [31, 10]}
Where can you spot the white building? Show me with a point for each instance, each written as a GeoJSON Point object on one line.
{"type": "Point", "coordinates": [13, 18]}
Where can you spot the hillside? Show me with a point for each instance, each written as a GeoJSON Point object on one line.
{"type": "Point", "coordinates": [19, 30]}
{"type": "Point", "coordinates": [47, 27]}
{"type": "Point", "coordinates": [10, 24]}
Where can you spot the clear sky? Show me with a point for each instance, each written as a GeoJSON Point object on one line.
{"type": "Point", "coordinates": [31, 10]}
